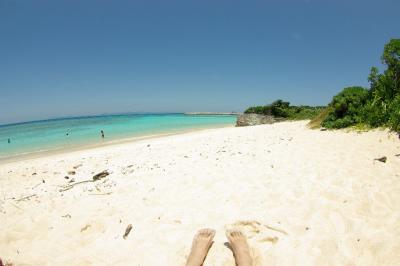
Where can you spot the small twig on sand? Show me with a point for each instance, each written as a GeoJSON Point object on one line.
{"type": "Point", "coordinates": [72, 185]}
{"type": "Point", "coordinates": [37, 185]}
{"type": "Point", "coordinates": [100, 194]}
{"type": "Point", "coordinates": [275, 229]}
{"type": "Point", "coordinates": [27, 197]}
{"type": "Point", "coordinates": [77, 166]}
{"type": "Point", "coordinates": [127, 231]}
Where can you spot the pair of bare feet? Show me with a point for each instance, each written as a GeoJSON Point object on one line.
{"type": "Point", "coordinates": [203, 241]}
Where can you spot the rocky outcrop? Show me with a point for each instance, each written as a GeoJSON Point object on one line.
{"type": "Point", "coordinates": [254, 119]}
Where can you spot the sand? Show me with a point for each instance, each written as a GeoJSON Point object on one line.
{"type": "Point", "coordinates": [302, 197]}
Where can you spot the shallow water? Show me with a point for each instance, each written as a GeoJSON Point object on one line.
{"type": "Point", "coordinates": [50, 135]}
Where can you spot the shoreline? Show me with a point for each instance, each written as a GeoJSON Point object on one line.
{"type": "Point", "coordinates": [93, 146]}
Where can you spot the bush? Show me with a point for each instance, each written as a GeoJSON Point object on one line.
{"type": "Point", "coordinates": [346, 108]}
{"type": "Point", "coordinates": [262, 110]}
{"type": "Point", "coordinates": [394, 110]}
{"type": "Point", "coordinates": [373, 114]}
{"type": "Point", "coordinates": [282, 109]}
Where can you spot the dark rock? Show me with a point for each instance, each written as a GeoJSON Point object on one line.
{"type": "Point", "coordinates": [254, 119]}
{"type": "Point", "coordinates": [382, 159]}
{"type": "Point", "coordinates": [71, 172]}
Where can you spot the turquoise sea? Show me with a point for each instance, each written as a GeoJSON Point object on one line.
{"type": "Point", "coordinates": [71, 133]}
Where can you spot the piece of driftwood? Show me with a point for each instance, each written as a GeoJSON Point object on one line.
{"type": "Point", "coordinates": [100, 175]}
{"type": "Point", "coordinates": [37, 185]}
{"type": "Point", "coordinates": [74, 184]}
{"type": "Point", "coordinates": [127, 231]}
{"type": "Point", "coordinates": [100, 194]}
{"type": "Point", "coordinates": [26, 197]}
{"type": "Point", "coordinates": [95, 178]}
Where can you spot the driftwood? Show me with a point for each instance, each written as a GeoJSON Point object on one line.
{"type": "Point", "coordinates": [37, 185]}
{"type": "Point", "coordinates": [100, 194]}
{"type": "Point", "coordinates": [95, 178]}
{"type": "Point", "coordinates": [100, 175]}
{"type": "Point", "coordinates": [74, 184]}
{"type": "Point", "coordinates": [27, 197]}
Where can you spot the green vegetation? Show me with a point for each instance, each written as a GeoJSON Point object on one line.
{"type": "Point", "coordinates": [283, 110]}
{"type": "Point", "coordinates": [356, 107]}
{"type": "Point", "coordinates": [374, 107]}
{"type": "Point", "coordinates": [345, 108]}
{"type": "Point", "coordinates": [317, 120]}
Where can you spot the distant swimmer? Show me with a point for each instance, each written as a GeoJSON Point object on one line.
{"type": "Point", "coordinates": [67, 134]}
{"type": "Point", "coordinates": [102, 134]}
{"type": "Point", "coordinates": [9, 140]}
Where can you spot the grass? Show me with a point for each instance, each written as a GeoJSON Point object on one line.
{"type": "Point", "coordinates": [317, 121]}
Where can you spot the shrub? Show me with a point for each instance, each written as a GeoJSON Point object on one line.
{"type": "Point", "coordinates": [346, 108]}
{"type": "Point", "coordinates": [394, 110]}
{"type": "Point", "coordinates": [374, 114]}
{"type": "Point", "coordinates": [282, 109]}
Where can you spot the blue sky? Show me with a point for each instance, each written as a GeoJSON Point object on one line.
{"type": "Point", "coordinates": [63, 58]}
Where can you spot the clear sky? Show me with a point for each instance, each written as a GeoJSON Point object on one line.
{"type": "Point", "coordinates": [63, 58]}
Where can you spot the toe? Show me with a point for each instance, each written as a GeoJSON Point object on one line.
{"type": "Point", "coordinates": [206, 232]}
{"type": "Point", "coordinates": [235, 234]}
{"type": "Point", "coordinates": [229, 234]}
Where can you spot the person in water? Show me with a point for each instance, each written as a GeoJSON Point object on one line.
{"type": "Point", "coordinates": [102, 134]}
{"type": "Point", "coordinates": [203, 241]}
{"type": "Point", "coordinates": [9, 141]}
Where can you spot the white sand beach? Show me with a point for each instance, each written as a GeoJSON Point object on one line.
{"type": "Point", "coordinates": [301, 196]}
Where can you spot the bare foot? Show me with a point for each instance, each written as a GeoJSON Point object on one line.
{"type": "Point", "coordinates": [202, 242]}
{"type": "Point", "coordinates": [240, 248]}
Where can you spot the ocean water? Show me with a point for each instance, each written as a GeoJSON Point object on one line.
{"type": "Point", "coordinates": [57, 134]}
